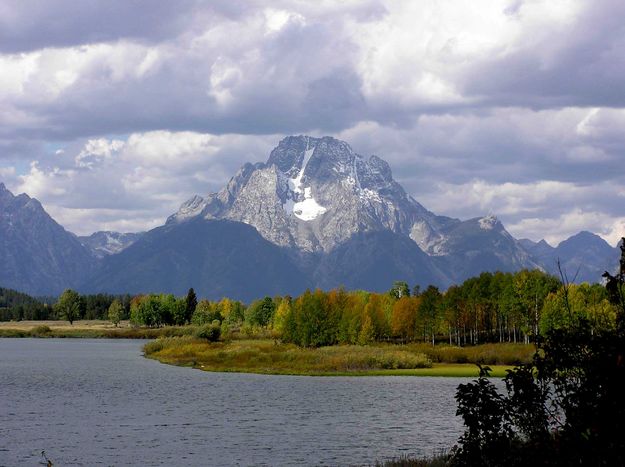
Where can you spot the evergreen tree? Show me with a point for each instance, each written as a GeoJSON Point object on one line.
{"type": "Point", "coordinates": [190, 304]}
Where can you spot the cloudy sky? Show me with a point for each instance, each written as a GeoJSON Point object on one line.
{"type": "Point", "coordinates": [114, 112]}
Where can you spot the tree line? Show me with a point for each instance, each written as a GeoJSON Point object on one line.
{"type": "Point", "coordinates": [18, 306]}
{"type": "Point", "coordinates": [493, 307]}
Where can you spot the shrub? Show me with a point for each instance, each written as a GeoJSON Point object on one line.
{"type": "Point", "coordinates": [210, 332]}
{"type": "Point", "coordinates": [41, 330]}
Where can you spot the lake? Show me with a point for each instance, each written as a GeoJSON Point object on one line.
{"type": "Point", "coordinates": [100, 402]}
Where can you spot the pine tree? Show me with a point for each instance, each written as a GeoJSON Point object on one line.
{"type": "Point", "coordinates": [190, 304]}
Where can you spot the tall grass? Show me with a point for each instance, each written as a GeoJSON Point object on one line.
{"type": "Point", "coordinates": [490, 354]}
{"type": "Point", "coordinates": [271, 357]}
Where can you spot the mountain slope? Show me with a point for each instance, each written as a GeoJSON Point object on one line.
{"type": "Point", "coordinates": [481, 244]}
{"type": "Point", "coordinates": [104, 243]}
{"type": "Point", "coordinates": [38, 256]}
{"type": "Point", "coordinates": [315, 214]}
{"type": "Point", "coordinates": [374, 260]}
{"type": "Point", "coordinates": [583, 257]}
{"type": "Point", "coordinates": [218, 258]}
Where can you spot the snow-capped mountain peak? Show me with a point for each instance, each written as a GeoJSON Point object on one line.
{"type": "Point", "coordinates": [315, 193]}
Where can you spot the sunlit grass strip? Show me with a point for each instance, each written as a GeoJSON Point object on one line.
{"type": "Point", "coordinates": [268, 357]}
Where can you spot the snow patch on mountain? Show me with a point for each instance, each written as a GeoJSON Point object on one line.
{"type": "Point", "coordinates": [299, 201]}
{"type": "Point", "coordinates": [295, 184]}
{"type": "Point", "coordinates": [488, 222]}
{"type": "Point", "coordinates": [105, 243]}
{"type": "Point", "coordinates": [308, 209]}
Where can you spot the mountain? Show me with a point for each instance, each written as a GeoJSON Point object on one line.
{"type": "Point", "coordinates": [583, 257]}
{"type": "Point", "coordinates": [38, 256]}
{"type": "Point", "coordinates": [316, 195]}
{"type": "Point", "coordinates": [105, 243]}
{"type": "Point", "coordinates": [467, 248]}
{"type": "Point", "coordinates": [538, 250]}
{"type": "Point", "coordinates": [315, 214]}
{"type": "Point", "coordinates": [218, 258]}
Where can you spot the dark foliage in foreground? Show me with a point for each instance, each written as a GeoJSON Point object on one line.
{"type": "Point", "coordinates": [566, 408]}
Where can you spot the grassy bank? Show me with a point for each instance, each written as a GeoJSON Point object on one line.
{"type": "Point", "coordinates": [88, 329]}
{"type": "Point", "coordinates": [270, 357]}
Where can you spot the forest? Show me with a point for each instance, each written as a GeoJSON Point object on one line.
{"type": "Point", "coordinates": [493, 307]}
{"type": "Point", "coordinates": [18, 306]}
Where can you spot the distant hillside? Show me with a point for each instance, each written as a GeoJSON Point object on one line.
{"type": "Point", "coordinates": [217, 258]}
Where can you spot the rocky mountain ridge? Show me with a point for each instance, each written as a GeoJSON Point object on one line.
{"type": "Point", "coordinates": [38, 256]}
{"type": "Point", "coordinates": [583, 257]}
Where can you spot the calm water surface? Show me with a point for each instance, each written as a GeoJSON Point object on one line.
{"type": "Point", "coordinates": [99, 402]}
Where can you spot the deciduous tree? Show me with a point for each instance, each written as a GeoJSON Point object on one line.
{"type": "Point", "coordinates": [68, 305]}
{"type": "Point", "coordinates": [115, 312]}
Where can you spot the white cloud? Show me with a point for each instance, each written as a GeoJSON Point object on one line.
{"type": "Point", "coordinates": [121, 220]}
{"type": "Point", "coordinates": [556, 229]}
{"type": "Point", "coordinates": [41, 183]}
{"type": "Point", "coordinates": [134, 184]}
{"type": "Point", "coordinates": [96, 151]}
{"type": "Point", "coordinates": [275, 20]}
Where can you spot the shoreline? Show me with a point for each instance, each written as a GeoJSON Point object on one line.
{"type": "Point", "coordinates": [268, 357]}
